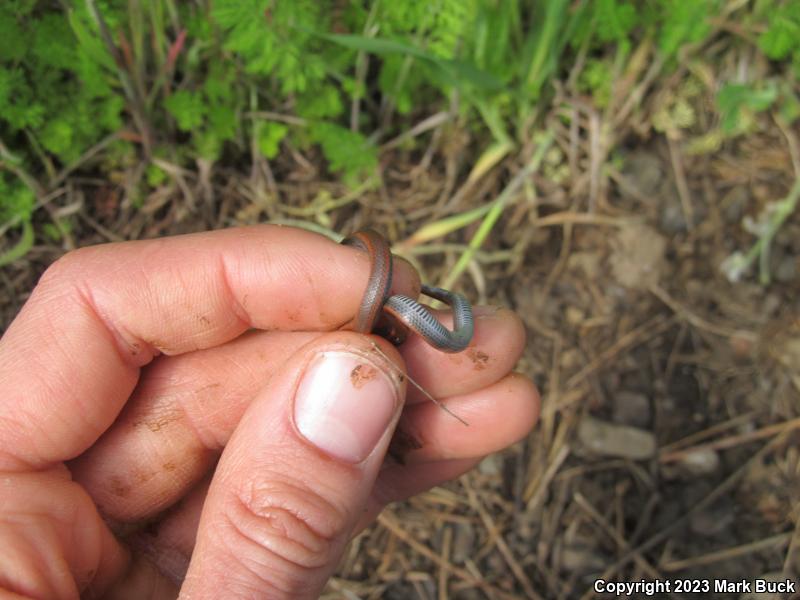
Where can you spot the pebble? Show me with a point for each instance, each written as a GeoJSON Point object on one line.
{"type": "Point", "coordinates": [574, 315]}
{"type": "Point", "coordinates": [742, 344]}
{"type": "Point", "coordinates": [463, 542]}
{"type": "Point", "coordinates": [609, 439]}
{"type": "Point", "coordinates": [580, 560]}
{"type": "Point", "coordinates": [790, 354]}
{"type": "Point", "coordinates": [672, 220]}
{"type": "Point", "coordinates": [637, 258]}
{"type": "Point", "coordinates": [734, 204]}
{"type": "Point", "coordinates": [702, 461]}
{"type": "Point", "coordinates": [631, 408]}
{"type": "Point", "coordinates": [711, 522]}
{"type": "Point", "coordinates": [491, 466]}
{"type": "Point", "coordinates": [571, 359]}
{"type": "Point", "coordinates": [645, 171]}
{"type": "Point", "coordinates": [786, 271]}
{"type": "Point", "coordinates": [587, 262]}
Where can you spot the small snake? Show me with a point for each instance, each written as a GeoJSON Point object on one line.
{"type": "Point", "coordinates": [394, 316]}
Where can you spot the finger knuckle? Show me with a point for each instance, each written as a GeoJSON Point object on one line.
{"type": "Point", "coordinates": [286, 522]}
{"type": "Point", "coordinates": [61, 269]}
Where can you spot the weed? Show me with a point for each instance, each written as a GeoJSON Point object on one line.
{"type": "Point", "coordinates": [220, 80]}
{"type": "Point", "coordinates": [765, 227]}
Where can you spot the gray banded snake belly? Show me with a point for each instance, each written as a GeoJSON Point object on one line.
{"type": "Point", "coordinates": [394, 316]}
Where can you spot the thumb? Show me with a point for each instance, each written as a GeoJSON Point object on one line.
{"type": "Point", "coordinates": [297, 473]}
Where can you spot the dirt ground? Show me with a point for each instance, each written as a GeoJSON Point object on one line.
{"type": "Point", "coordinates": [669, 442]}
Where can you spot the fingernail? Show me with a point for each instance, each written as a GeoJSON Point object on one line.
{"type": "Point", "coordinates": [344, 404]}
{"type": "Point", "coordinates": [486, 311]}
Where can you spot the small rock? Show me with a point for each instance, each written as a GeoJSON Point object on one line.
{"type": "Point", "coordinates": [571, 359]}
{"type": "Point", "coordinates": [711, 522]}
{"type": "Point", "coordinates": [463, 542]}
{"type": "Point", "coordinates": [491, 466]}
{"type": "Point", "coordinates": [672, 220]}
{"type": "Point", "coordinates": [638, 256]}
{"type": "Point", "coordinates": [789, 354]}
{"type": "Point", "coordinates": [734, 204]}
{"type": "Point", "coordinates": [580, 560]}
{"type": "Point", "coordinates": [574, 316]}
{"type": "Point", "coordinates": [786, 271]}
{"type": "Point", "coordinates": [702, 461]}
{"type": "Point", "coordinates": [630, 408]}
{"type": "Point", "coordinates": [609, 439]}
{"type": "Point", "coordinates": [742, 344]}
{"type": "Point", "coordinates": [772, 303]}
{"type": "Point", "coordinates": [586, 262]}
{"type": "Point", "coordinates": [645, 171]}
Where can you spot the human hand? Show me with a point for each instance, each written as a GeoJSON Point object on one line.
{"type": "Point", "coordinates": [198, 386]}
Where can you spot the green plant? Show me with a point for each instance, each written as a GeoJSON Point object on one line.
{"type": "Point", "coordinates": [222, 80]}
{"type": "Point", "coordinates": [53, 93]}
{"type": "Point", "coordinates": [765, 227]}
{"type": "Point", "coordinates": [16, 209]}
{"type": "Point", "coordinates": [779, 40]}
{"type": "Point", "coordinates": [738, 104]}
{"type": "Point", "coordinates": [55, 102]}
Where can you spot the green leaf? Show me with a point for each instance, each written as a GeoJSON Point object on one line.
{"type": "Point", "coordinates": [596, 78]}
{"type": "Point", "coordinates": [346, 151]}
{"type": "Point", "coordinates": [614, 20]}
{"type": "Point", "coordinates": [270, 136]}
{"type": "Point", "coordinates": [16, 201]}
{"type": "Point", "coordinates": [790, 106]}
{"type": "Point", "coordinates": [322, 103]}
{"type": "Point", "coordinates": [458, 72]}
{"type": "Point", "coordinates": [735, 100]}
{"type": "Point", "coordinates": [12, 37]}
{"type": "Point", "coordinates": [155, 175]}
{"type": "Point", "coordinates": [21, 248]}
{"type": "Point", "coordinates": [235, 13]}
{"type": "Point", "coordinates": [208, 145]}
{"type": "Point", "coordinates": [188, 108]}
{"type": "Point", "coordinates": [54, 43]}
{"type": "Point", "coordinates": [782, 34]}
{"type": "Point", "coordinates": [684, 22]}
{"type": "Point", "coordinates": [58, 136]}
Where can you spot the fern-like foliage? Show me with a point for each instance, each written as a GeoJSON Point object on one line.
{"type": "Point", "coordinates": [54, 98]}
{"type": "Point", "coordinates": [274, 38]}
{"type": "Point", "coordinates": [50, 89]}
{"type": "Point", "coordinates": [684, 23]}
{"type": "Point", "coordinates": [278, 46]}
{"type": "Point", "coordinates": [346, 151]}
{"type": "Point", "coordinates": [16, 202]}
{"type": "Point", "coordinates": [780, 39]}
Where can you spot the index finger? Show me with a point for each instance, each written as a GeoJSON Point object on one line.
{"type": "Point", "coordinates": [72, 356]}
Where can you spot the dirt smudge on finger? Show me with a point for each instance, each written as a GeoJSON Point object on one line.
{"type": "Point", "coordinates": [361, 375]}
{"type": "Point", "coordinates": [403, 442]}
{"type": "Point", "coordinates": [480, 360]}
{"type": "Point", "coordinates": [157, 422]}
{"type": "Point", "coordinates": [119, 487]}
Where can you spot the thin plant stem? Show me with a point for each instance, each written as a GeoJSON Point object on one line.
{"type": "Point", "coordinates": [495, 209]}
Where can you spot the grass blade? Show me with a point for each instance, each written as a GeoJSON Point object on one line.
{"type": "Point", "coordinates": [495, 209]}
{"type": "Point", "coordinates": [457, 72]}
{"type": "Point", "coordinates": [21, 248]}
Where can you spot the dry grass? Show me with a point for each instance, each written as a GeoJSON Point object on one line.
{"type": "Point", "coordinates": [608, 246]}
